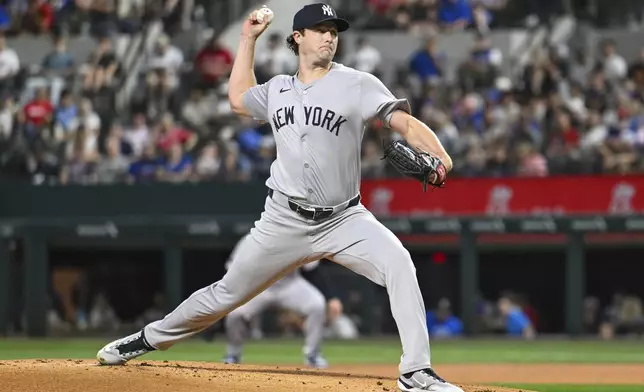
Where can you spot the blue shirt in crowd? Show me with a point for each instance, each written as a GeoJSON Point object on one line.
{"type": "Point", "coordinates": [449, 327]}
{"type": "Point", "coordinates": [452, 11]}
{"type": "Point", "coordinates": [516, 322]}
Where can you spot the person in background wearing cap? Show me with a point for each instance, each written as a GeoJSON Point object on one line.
{"type": "Point", "coordinates": [312, 210]}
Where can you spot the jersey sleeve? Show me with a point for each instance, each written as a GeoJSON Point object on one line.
{"type": "Point", "coordinates": [376, 101]}
{"type": "Point", "coordinates": [256, 101]}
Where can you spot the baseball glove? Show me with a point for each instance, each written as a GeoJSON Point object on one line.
{"type": "Point", "coordinates": [422, 166]}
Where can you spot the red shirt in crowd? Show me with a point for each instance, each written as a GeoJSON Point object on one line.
{"type": "Point", "coordinates": [213, 62]}
{"type": "Point", "coordinates": [38, 112]}
{"type": "Point", "coordinates": [571, 137]}
{"type": "Point", "coordinates": [172, 137]}
{"type": "Point", "coordinates": [43, 12]}
{"type": "Point", "coordinates": [381, 7]}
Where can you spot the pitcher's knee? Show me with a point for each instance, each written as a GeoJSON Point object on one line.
{"type": "Point", "coordinates": [224, 298]}
{"type": "Point", "coordinates": [402, 265]}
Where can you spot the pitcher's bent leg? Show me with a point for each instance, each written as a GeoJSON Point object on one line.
{"type": "Point", "coordinates": [252, 270]}
{"type": "Point", "coordinates": [367, 247]}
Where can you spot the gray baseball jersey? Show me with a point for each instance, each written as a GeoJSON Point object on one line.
{"type": "Point", "coordinates": [318, 130]}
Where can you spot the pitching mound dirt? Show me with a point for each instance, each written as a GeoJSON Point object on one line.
{"type": "Point", "coordinates": [81, 376]}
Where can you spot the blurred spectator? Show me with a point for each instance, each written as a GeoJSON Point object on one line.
{"type": "Point", "coordinates": [5, 17]}
{"type": "Point", "coordinates": [562, 145]}
{"type": "Point", "coordinates": [623, 316]}
{"type": "Point", "coordinates": [636, 73]}
{"type": "Point", "coordinates": [481, 16]}
{"type": "Point", "coordinates": [265, 157]}
{"type": "Point", "coordinates": [118, 133]}
{"type": "Point", "coordinates": [236, 166]}
{"type": "Point", "coordinates": [37, 19]}
{"type": "Point", "coordinates": [208, 163]}
{"type": "Point", "coordinates": [212, 63]}
{"type": "Point", "coordinates": [531, 162]}
{"type": "Point", "coordinates": [176, 167]}
{"type": "Point", "coordinates": [38, 114]}
{"type": "Point", "coordinates": [138, 135]}
{"type": "Point", "coordinates": [170, 135]}
{"type": "Point", "coordinates": [145, 169]}
{"type": "Point", "coordinates": [617, 155]}
{"type": "Point", "coordinates": [596, 133]}
{"type": "Point", "coordinates": [275, 59]}
{"type": "Point", "coordinates": [482, 68]}
{"type": "Point", "coordinates": [611, 63]}
{"type": "Point", "coordinates": [454, 15]}
{"type": "Point", "coordinates": [517, 322]}
{"type": "Point", "coordinates": [177, 15]}
{"type": "Point", "coordinates": [7, 116]}
{"type": "Point", "coordinates": [78, 168]}
{"type": "Point", "coordinates": [426, 63]}
{"type": "Point", "coordinates": [442, 324]}
{"type": "Point", "coordinates": [102, 316]}
{"type": "Point", "coordinates": [113, 166]}
{"type": "Point", "coordinates": [9, 66]}
{"type": "Point", "coordinates": [102, 67]}
{"type": "Point", "coordinates": [65, 118]}
{"type": "Point", "coordinates": [88, 122]}
{"type": "Point", "coordinates": [366, 58]}
{"type": "Point", "coordinates": [163, 71]}
{"type": "Point", "coordinates": [248, 137]}
{"type": "Point", "coordinates": [338, 324]}
{"type": "Point", "coordinates": [59, 61]}
{"type": "Point", "coordinates": [445, 130]}
{"type": "Point", "coordinates": [102, 17]}
{"type": "Point", "coordinates": [199, 113]}
{"type": "Point", "coordinates": [43, 166]}
{"type": "Point", "coordinates": [530, 311]}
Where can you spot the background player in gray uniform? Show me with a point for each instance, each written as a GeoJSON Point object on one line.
{"type": "Point", "coordinates": [313, 207]}
{"type": "Point", "coordinates": [292, 292]}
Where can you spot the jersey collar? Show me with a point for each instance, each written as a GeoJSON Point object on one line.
{"type": "Point", "coordinates": [302, 86]}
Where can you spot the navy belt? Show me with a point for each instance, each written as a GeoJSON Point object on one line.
{"type": "Point", "coordinates": [309, 212]}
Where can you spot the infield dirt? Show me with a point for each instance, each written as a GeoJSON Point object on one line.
{"type": "Point", "coordinates": [155, 376]}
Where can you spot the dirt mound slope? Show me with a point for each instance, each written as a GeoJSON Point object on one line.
{"type": "Point", "coordinates": [155, 376]}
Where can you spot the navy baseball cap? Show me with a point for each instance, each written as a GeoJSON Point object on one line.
{"type": "Point", "coordinates": [312, 14]}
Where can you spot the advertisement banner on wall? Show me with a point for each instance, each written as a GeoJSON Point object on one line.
{"type": "Point", "coordinates": [554, 196]}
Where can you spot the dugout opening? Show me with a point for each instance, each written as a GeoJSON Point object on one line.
{"type": "Point", "coordinates": [538, 277]}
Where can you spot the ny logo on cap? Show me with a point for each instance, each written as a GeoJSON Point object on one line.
{"type": "Point", "coordinates": [327, 10]}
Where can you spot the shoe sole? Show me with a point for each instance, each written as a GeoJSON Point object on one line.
{"type": "Point", "coordinates": [101, 357]}
{"type": "Point", "coordinates": [402, 388]}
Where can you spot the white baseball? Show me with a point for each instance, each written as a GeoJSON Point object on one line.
{"type": "Point", "coordinates": [264, 13]}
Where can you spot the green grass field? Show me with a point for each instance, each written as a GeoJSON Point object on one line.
{"type": "Point", "coordinates": [385, 351]}
{"type": "Point", "coordinates": [354, 352]}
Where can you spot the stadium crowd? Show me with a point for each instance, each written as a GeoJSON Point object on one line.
{"type": "Point", "coordinates": [567, 113]}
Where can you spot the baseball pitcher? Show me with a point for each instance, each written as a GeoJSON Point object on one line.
{"type": "Point", "coordinates": [313, 209]}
